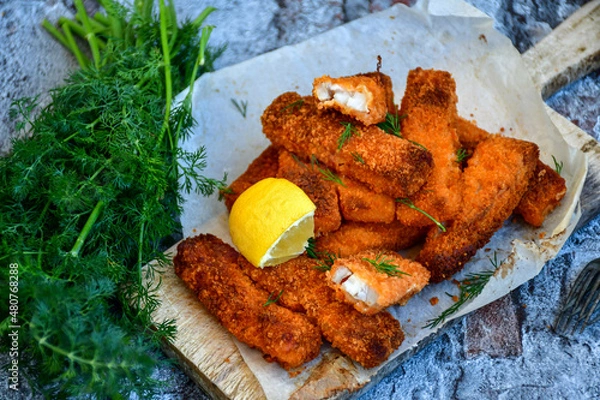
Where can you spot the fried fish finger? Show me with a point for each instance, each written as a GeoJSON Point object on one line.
{"type": "Point", "coordinates": [373, 280]}
{"type": "Point", "coordinates": [354, 237]}
{"type": "Point", "coordinates": [210, 268]}
{"type": "Point", "coordinates": [368, 340]}
{"type": "Point", "coordinates": [546, 189]}
{"type": "Point", "coordinates": [493, 184]}
{"type": "Point", "coordinates": [429, 107]}
{"type": "Point", "coordinates": [358, 203]}
{"type": "Point", "coordinates": [385, 163]}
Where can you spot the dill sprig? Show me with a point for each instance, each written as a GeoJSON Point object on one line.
{"type": "Point", "coordinates": [349, 131]}
{"type": "Point", "coordinates": [241, 106]}
{"type": "Point", "coordinates": [293, 106]}
{"type": "Point", "coordinates": [358, 158]}
{"type": "Point", "coordinates": [408, 202]}
{"type": "Point", "coordinates": [461, 155]}
{"type": "Point", "coordinates": [469, 288]}
{"type": "Point", "coordinates": [93, 194]}
{"type": "Point", "coordinates": [558, 165]}
{"type": "Point", "coordinates": [273, 298]}
{"type": "Point", "coordinates": [383, 265]}
{"type": "Point", "coordinates": [325, 258]}
{"type": "Point", "coordinates": [391, 125]}
{"type": "Point", "coordinates": [328, 175]}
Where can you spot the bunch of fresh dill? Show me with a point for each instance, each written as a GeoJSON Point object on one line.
{"type": "Point", "coordinates": [93, 195]}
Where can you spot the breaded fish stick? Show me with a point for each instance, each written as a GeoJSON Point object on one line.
{"type": "Point", "coordinates": [210, 268]}
{"type": "Point", "coordinates": [492, 185]}
{"type": "Point", "coordinates": [358, 203]}
{"type": "Point", "coordinates": [546, 189]}
{"type": "Point", "coordinates": [368, 340]}
{"type": "Point", "coordinates": [429, 107]}
{"type": "Point", "coordinates": [385, 163]}
{"type": "Point", "coordinates": [263, 166]}
{"type": "Point", "coordinates": [373, 280]}
{"type": "Point", "coordinates": [364, 97]}
{"type": "Point", "coordinates": [353, 237]}
{"type": "Point", "coordinates": [322, 192]}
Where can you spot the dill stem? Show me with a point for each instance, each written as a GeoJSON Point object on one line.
{"type": "Point", "coordinates": [86, 229]}
{"type": "Point", "coordinates": [164, 41]}
{"type": "Point", "coordinates": [90, 35]}
{"type": "Point", "coordinates": [200, 18]}
{"type": "Point", "coordinates": [56, 33]}
{"type": "Point", "coordinates": [78, 29]}
{"type": "Point", "coordinates": [81, 58]}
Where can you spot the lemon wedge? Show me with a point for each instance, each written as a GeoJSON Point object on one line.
{"type": "Point", "coordinates": [271, 222]}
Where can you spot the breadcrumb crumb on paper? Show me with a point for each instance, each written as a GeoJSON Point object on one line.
{"type": "Point", "coordinates": [493, 88]}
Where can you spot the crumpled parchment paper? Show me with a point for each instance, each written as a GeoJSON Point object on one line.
{"type": "Point", "coordinates": [493, 88]}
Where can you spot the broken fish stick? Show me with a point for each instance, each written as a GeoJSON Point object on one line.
{"type": "Point", "coordinates": [323, 193]}
{"type": "Point", "coordinates": [385, 163]}
{"type": "Point", "coordinates": [496, 178]}
{"type": "Point", "coordinates": [372, 281]}
{"type": "Point", "coordinates": [429, 107]}
{"type": "Point", "coordinates": [364, 97]}
{"type": "Point", "coordinates": [209, 267]}
{"type": "Point", "coordinates": [354, 237]}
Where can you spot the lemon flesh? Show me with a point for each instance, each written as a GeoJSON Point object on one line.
{"type": "Point", "coordinates": [271, 222]}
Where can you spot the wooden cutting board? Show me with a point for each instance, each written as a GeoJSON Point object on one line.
{"type": "Point", "coordinates": [207, 353]}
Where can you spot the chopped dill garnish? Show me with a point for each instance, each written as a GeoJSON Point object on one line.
{"type": "Point", "coordinates": [325, 258]}
{"type": "Point", "coordinates": [558, 165]}
{"type": "Point", "coordinates": [461, 155]}
{"type": "Point", "coordinates": [273, 300]}
{"type": "Point", "coordinates": [358, 158]}
{"type": "Point", "coordinates": [470, 287]}
{"type": "Point", "coordinates": [382, 265]}
{"type": "Point", "coordinates": [349, 131]}
{"type": "Point", "coordinates": [328, 175]}
{"type": "Point", "coordinates": [241, 106]}
{"type": "Point", "coordinates": [391, 124]}
{"type": "Point", "coordinates": [294, 106]}
{"type": "Point", "coordinates": [410, 204]}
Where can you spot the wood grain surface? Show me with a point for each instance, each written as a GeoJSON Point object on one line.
{"type": "Point", "coordinates": [211, 357]}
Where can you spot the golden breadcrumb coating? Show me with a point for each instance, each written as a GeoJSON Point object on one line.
{"type": "Point", "coordinates": [358, 203]}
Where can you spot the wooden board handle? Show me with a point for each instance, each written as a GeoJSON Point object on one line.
{"type": "Point", "coordinates": [569, 52]}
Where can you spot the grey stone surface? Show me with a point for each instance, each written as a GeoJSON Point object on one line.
{"type": "Point", "coordinates": [549, 366]}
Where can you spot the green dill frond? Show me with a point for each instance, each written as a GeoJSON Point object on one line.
{"type": "Point", "coordinates": [294, 106]}
{"type": "Point", "coordinates": [273, 298]}
{"type": "Point", "coordinates": [469, 288]}
{"type": "Point", "coordinates": [461, 155]}
{"type": "Point", "coordinates": [558, 165]}
{"type": "Point", "coordinates": [383, 265]}
{"type": "Point", "coordinates": [328, 175]}
{"type": "Point", "coordinates": [408, 202]}
{"type": "Point", "coordinates": [349, 131]}
{"type": "Point", "coordinates": [391, 125]}
{"type": "Point", "coordinates": [358, 158]}
{"type": "Point", "coordinates": [241, 106]}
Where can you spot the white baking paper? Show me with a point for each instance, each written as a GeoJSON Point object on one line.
{"type": "Point", "coordinates": [493, 88]}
